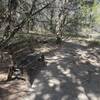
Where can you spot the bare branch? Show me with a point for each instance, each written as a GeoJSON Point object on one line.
{"type": "Point", "coordinates": [20, 25]}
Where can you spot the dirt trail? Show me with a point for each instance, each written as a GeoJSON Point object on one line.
{"type": "Point", "coordinates": [72, 73]}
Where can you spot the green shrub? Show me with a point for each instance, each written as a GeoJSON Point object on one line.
{"type": "Point", "coordinates": [94, 43]}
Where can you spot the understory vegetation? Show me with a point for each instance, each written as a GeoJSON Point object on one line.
{"type": "Point", "coordinates": [49, 49]}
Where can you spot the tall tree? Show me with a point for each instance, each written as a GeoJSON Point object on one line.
{"type": "Point", "coordinates": [16, 26]}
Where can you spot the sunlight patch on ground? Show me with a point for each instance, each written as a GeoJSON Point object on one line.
{"type": "Point", "coordinates": [55, 59]}
{"type": "Point", "coordinates": [82, 96]}
{"type": "Point", "coordinates": [53, 82]}
{"type": "Point", "coordinates": [82, 53]}
{"type": "Point", "coordinates": [85, 56]}
{"type": "Point", "coordinates": [64, 97]}
{"type": "Point", "coordinates": [3, 76]}
{"type": "Point", "coordinates": [48, 74]}
{"type": "Point", "coordinates": [46, 97]}
{"type": "Point", "coordinates": [80, 88]}
{"type": "Point", "coordinates": [31, 97]}
{"type": "Point", "coordinates": [43, 50]}
{"type": "Point", "coordinates": [66, 72]}
{"type": "Point", "coordinates": [36, 81]}
{"type": "Point", "coordinates": [93, 96]}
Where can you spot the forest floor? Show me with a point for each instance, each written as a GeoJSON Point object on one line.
{"type": "Point", "coordinates": [72, 73]}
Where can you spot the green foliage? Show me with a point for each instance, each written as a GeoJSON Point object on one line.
{"type": "Point", "coordinates": [94, 43]}
{"type": "Point", "coordinates": [96, 11]}
{"type": "Point", "coordinates": [74, 35]}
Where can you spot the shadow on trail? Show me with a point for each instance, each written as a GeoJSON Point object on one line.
{"type": "Point", "coordinates": [72, 73]}
{"type": "Point", "coordinates": [4, 93]}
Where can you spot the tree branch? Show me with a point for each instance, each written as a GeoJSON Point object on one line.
{"type": "Point", "coordinates": [20, 25]}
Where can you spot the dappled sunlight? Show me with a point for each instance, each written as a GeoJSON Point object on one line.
{"type": "Point", "coordinates": [65, 72]}
{"type": "Point", "coordinates": [31, 97]}
{"type": "Point", "coordinates": [53, 81]}
{"type": "Point", "coordinates": [35, 83]}
{"type": "Point", "coordinates": [47, 74]}
{"type": "Point", "coordinates": [3, 76]}
{"type": "Point", "coordinates": [46, 97]}
{"type": "Point", "coordinates": [92, 96]}
{"type": "Point", "coordinates": [82, 96]}
{"type": "Point", "coordinates": [72, 73]}
{"type": "Point", "coordinates": [46, 48]}
{"type": "Point", "coordinates": [85, 56]}
{"type": "Point", "coordinates": [64, 97]}
{"type": "Point", "coordinates": [16, 90]}
{"type": "Point", "coordinates": [49, 50]}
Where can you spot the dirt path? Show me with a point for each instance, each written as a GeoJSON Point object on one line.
{"type": "Point", "coordinates": [72, 73]}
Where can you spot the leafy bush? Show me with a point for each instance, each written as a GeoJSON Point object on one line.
{"type": "Point", "coordinates": [94, 43]}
